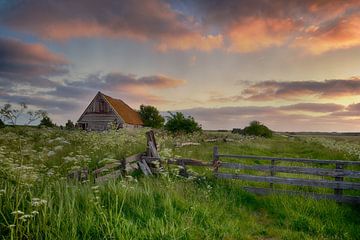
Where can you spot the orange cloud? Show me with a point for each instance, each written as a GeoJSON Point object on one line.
{"type": "Point", "coordinates": [253, 34]}
{"type": "Point", "coordinates": [192, 41]}
{"type": "Point", "coordinates": [343, 35]}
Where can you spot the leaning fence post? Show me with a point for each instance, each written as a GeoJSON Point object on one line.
{"type": "Point", "coordinates": [216, 159]}
{"type": "Point", "coordinates": [339, 191]}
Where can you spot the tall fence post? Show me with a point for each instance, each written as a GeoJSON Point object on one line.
{"type": "Point", "coordinates": [272, 171]}
{"type": "Point", "coordinates": [338, 191]}
{"type": "Point", "coordinates": [216, 159]}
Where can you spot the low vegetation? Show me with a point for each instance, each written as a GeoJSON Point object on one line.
{"type": "Point", "coordinates": [178, 123]}
{"type": "Point", "coordinates": [38, 202]}
{"type": "Point", "coordinates": [255, 128]}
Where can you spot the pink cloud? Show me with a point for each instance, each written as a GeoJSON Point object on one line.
{"type": "Point", "coordinates": [254, 33]}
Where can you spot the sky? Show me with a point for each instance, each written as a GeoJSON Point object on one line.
{"type": "Point", "coordinates": [293, 65]}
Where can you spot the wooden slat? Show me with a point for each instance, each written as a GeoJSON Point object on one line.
{"type": "Point", "coordinates": [112, 175]}
{"type": "Point", "coordinates": [133, 158]}
{"type": "Point", "coordinates": [299, 170]}
{"type": "Point", "coordinates": [153, 151]}
{"type": "Point", "coordinates": [266, 191]}
{"type": "Point", "coordinates": [305, 160]}
{"type": "Point", "coordinates": [107, 167]}
{"type": "Point", "coordinates": [186, 161]}
{"type": "Point", "coordinates": [144, 168]}
{"type": "Point", "coordinates": [292, 181]}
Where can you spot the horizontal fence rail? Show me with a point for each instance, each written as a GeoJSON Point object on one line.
{"type": "Point", "coordinates": [338, 173]}
{"type": "Point", "coordinates": [304, 160]}
{"type": "Point", "coordinates": [299, 170]}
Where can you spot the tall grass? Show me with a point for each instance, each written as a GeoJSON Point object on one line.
{"type": "Point", "coordinates": [164, 207]}
{"type": "Point", "coordinates": [171, 208]}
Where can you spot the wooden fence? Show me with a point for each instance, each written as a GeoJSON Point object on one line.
{"type": "Point", "coordinates": [268, 174]}
{"type": "Point", "coordinates": [333, 176]}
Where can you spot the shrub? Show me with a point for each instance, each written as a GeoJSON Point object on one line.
{"type": "Point", "coordinates": [69, 125]}
{"type": "Point", "coordinates": [46, 122]}
{"type": "Point", "coordinates": [177, 122]}
{"type": "Point", "coordinates": [238, 131]}
{"type": "Point", "coordinates": [151, 117]}
{"type": "Point", "coordinates": [258, 129]}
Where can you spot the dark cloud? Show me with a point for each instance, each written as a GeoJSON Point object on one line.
{"type": "Point", "coordinates": [236, 26]}
{"type": "Point", "coordinates": [43, 102]}
{"type": "Point", "coordinates": [129, 85]}
{"type": "Point", "coordinates": [314, 107]}
{"type": "Point", "coordinates": [145, 20]}
{"type": "Point", "coordinates": [280, 118]}
{"type": "Point", "coordinates": [272, 90]}
{"type": "Point", "coordinates": [29, 64]}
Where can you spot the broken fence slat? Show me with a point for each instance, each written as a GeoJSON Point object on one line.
{"type": "Point", "coordinates": [134, 158]}
{"type": "Point", "coordinates": [112, 175]}
{"type": "Point", "coordinates": [144, 167]}
{"type": "Point", "coordinates": [186, 161]}
{"type": "Point", "coordinates": [153, 151]}
{"type": "Point", "coordinates": [107, 167]}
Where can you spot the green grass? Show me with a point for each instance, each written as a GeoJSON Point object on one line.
{"type": "Point", "coordinates": [163, 207]}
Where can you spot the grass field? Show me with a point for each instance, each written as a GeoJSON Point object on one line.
{"type": "Point", "coordinates": [37, 201]}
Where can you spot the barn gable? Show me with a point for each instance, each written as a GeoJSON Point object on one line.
{"type": "Point", "coordinates": [104, 111]}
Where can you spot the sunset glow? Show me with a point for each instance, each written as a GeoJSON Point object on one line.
{"type": "Point", "coordinates": [293, 65]}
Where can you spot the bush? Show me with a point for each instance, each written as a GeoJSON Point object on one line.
{"type": "Point", "coordinates": [46, 122]}
{"type": "Point", "coordinates": [69, 125]}
{"type": "Point", "coordinates": [238, 131]}
{"type": "Point", "coordinates": [151, 117]}
{"type": "Point", "coordinates": [2, 124]}
{"type": "Point", "coordinates": [179, 123]}
{"type": "Point", "coordinates": [258, 129]}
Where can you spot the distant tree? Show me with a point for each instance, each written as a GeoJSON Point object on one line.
{"type": "Point", "coordinates": [46, 122]}
{"type": "Point", "coordinates": [177, 122]}
{"type": "Point", "coordinates": [2, 124]}
{"type": "Point", "coordinates": [258, 129]}
{"type": "Point", "coordinates": [69, 125]}
{"type": "Point", "coordinates": [151, 117]}
{"type": "Point", "coordinates": [10, 115]}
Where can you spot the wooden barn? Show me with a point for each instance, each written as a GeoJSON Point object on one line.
{"type": "Point", "coordinates": [104, 111]}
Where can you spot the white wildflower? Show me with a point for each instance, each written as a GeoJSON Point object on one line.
{"type": "Point", "coordinates": [58, 148]}
{"type": "Point", "coordinates": [50, 153]}
{"type": "Point", "coordinates": [17, 212]}
{"type": "Point", "coordinates": [34, 213]}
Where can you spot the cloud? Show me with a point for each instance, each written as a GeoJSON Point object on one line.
{"type": "Point", "coordinates": [343, 34]}
{"type": "Point", "coordinates": [52, 105]}
{"type": "Point", "coordinates": [280, 118]}
{"type": "Point", "coordinates": [134, 90]}
{"type": "Point", "coordinates": [151, 20]}
{"type": "Point", "coordinates": [30, 64]}
{"type": "Point", "coordinates": [314, 107]}
{"type": "Point", "coordinates": [271, 90]}
{"type": "Point", "coordinates": [254, 33]}
{"type": "Point", "coordinates": [237, 26]}
{"type": "Point", "coordinates": [248, 26]}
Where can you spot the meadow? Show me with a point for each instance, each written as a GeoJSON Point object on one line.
{"type": "Point", "coordinates": [37, 201]}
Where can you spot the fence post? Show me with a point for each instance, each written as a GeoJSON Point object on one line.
{"type": "Point", "coordinates": [216, 159]}
{"type": "Point", "coordinates": [337, 191]}
{"type": "Point", "coordinates": [272, 171]}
